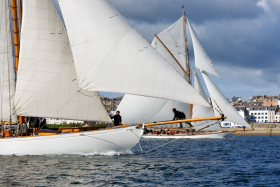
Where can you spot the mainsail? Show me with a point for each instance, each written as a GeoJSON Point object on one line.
{"type": "Point", "coordinates": [203, 111]}
{"type": "Point", "coordinates": [112, 56]}
{"type": "Point", "coordinates": [47, 83]}
{"type": "Point", "coordinates": [6, 64]}
{"type": "Point", "coordinates": [140, 109]}
{"type": "Point", "coordinates": [202, 60]}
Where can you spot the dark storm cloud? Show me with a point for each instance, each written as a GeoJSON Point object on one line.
{"type": "Point", "coordinates": [197, 10]}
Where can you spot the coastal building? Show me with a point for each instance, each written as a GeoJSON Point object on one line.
{"type": "Point", "coordinates": [270, 100]}
{"type": "Point", "coordinates": [243, 112]}
{"type": "Point", "coordinates": [237, 100]}
{"type": "Point", "coordinates": [256, 100]}
{"type": "Point", "coordinates": [262, 114]}
{"type": "Point", "coordinates": [111, 104]}
{"type": "Point", "coordinates": [277, 117]}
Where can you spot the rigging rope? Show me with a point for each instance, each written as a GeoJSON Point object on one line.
{"type": "Point", "coordinates": [160, 146]}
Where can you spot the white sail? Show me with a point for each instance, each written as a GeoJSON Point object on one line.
{"type": "Point", "coordinates": [174, 39]}
{"type": "Point", "coordinates": [47, 84]}
{"type": "Point", "coordinates": [6, 64]}
{"type": "Point", "coordinates": [202, 111]}
{"type": "Point", "coordinates": [139, 109]}
{"type": "Point", "coordinates": [221, 104]}
{"type": "Point", "coordinates": [112, 56]}
{"type": "Point", "coordinates": [202, 60]}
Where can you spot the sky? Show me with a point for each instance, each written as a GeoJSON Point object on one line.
{"type": "Point", "coordinates": [242, 38]}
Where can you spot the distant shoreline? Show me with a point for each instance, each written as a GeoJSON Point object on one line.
{"type": "Point", "coordinates": [255, 132]}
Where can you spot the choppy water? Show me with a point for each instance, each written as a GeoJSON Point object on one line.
{"type": "Point", "coordinates": [233, 161]}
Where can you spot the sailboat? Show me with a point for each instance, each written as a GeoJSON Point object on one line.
{"type": "Point", "coordinates": [59, 70]}
{"type": "Point", "coordinates": [172, 45]}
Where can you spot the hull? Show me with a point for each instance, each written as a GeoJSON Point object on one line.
{"type": "Point", "coordinates": [119, 141]}
{"type": "Point", "coordinates": [197, 136]}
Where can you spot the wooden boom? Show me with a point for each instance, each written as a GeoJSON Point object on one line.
{"type": "Point", "coordinates": [186, 120]}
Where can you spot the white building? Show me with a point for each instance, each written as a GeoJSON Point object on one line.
{"type": "Point", "coordinates": [61, 121]}
{"type": "Point", "coordinates": [260, 114]}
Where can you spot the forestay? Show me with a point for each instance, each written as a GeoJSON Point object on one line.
{"type": "Point", "coordinates": [202, 60]}
{"type": "Point", "coordinates": [202, 111]}
{"type": "Point", "coordinates": [47, 84]}
{"type": "Point", "coordinates": [221, 104]}
{"type": "Point", "coordinates": [6, 64]}
{"type": "Point", "coordinates": [112, 56]}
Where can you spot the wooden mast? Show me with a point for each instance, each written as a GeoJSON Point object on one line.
{"type": "Point", "coordinates": [172, 55]}
{"type": "Point", "coordinates": [16, 38]}
{"type": "Point", "coordinates": [188, 62]}
{"type": "Point", "coordinates": [16, 31]}
{"type": "Point", "coordinates": [20, 11]}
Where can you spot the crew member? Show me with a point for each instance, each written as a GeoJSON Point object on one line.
{"type": "Point", "coordinates": [117, 119]}
{"type": "Point", "coordinates": [43, 124]}
{"type": "Point", "coordinates": [35, 126]}
{"type": "Point", "coordinates": [178, 115]}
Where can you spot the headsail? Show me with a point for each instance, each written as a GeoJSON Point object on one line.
{"type": "Point", "coordinates": [202, 111]}
{"type": "Point", "coordinates": [47, 84]}
{"type": "Point", "coordinates": [221, 103]}
{"type": "Point", "coordinates": [111, 55]}
{"type": "Point", "coordinates": [202, 60]}
{"type": "Point", "coordinates": [6, 63]}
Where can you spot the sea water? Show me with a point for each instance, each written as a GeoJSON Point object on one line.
{"type": "Point", "coordinates": [233, 161]}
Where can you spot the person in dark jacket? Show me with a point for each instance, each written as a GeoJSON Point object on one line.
{"type": "Point", "coordinates": [35, 126]}
{"type": "Point", "coordinates": [178, 115]}
{"type": "Point", "coordinates": [117, 119]}
{"type": "Point", "coordinates": [43, 124]}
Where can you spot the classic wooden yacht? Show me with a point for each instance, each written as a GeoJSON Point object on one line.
{"type": "Point", "coordinates": [52, 70]}
{"type": "Point", "coordinates": [172, 45]}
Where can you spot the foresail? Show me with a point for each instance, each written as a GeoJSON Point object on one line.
{"type": "Point", "coordinates": [202, 60]}
{"type": "Point", "coordinates": [173, 39]}
{"type": "Point", "coordinates": [202, 111]}
{"type": "Point", "coordinates": [221, 104]}
{"type": "Point", "coordinates": [112, 56]}
{"type": "Point", "coordinates": [139, 109]}
{"type": "Point", "coordinates": [47, 84]}
{"type": "Point", "coordinates": [6, 64]}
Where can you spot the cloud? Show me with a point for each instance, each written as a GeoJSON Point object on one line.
{"type": "Point", "coordinates": [198, 11]}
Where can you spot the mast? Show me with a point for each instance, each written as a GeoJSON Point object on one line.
{"type": "Point", "coordinates": [188, 62]}
{"type": "Point", "coordinates": [20, 11]}
{"type": "Point", "coordinates": [16, 37]}
{"type": "Point", "coordinates": [16, 31]}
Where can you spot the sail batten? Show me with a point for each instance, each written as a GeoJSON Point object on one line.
{"type": "Point", "coordinates": [113, 56]}
{"type": "Point", "coordinates": [47, 84]}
